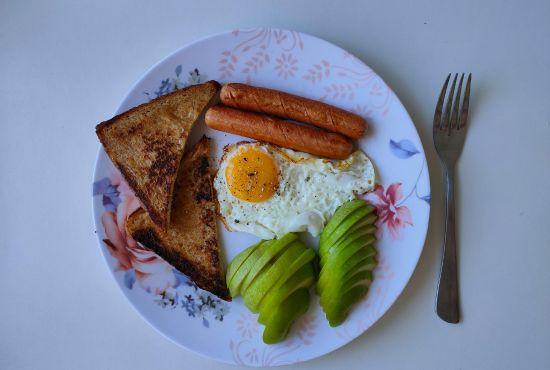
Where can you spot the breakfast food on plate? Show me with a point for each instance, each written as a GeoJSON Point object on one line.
{"type": "Point", "coordinates": [268, 191]}
{"type": "Point", "coordinates": [286, 134]}
{"type": "Point", "coordinates": [274, 277]}
{"type": "Point", "coordinates": [190, 243]}
{"type": "Point", "coordinates": [271, 191]}
{"type": "Point", "coordinates": [284, 105]}
{"type": "Point", "coordinates": [146, 144]}
{"type": "Point", "coordinates": [347, 259]}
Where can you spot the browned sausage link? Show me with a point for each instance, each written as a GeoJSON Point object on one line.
{"type": "Point", "coordinates": [280, 104]}
{"type": "Point", "coordinates": [275, 131]}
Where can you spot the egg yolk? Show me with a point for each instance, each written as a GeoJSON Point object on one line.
{"type": "Point", "coordinates": [251, 175]}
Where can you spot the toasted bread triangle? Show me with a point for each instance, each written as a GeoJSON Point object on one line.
{"type": "Point", "coordinates": [147, 142]}
{"type": "Point", "coordinates": [190, 243]}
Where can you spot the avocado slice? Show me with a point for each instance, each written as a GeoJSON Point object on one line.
{"type": "Point", "coordinates": [365, 264]}
{"type": "Point", "coordinates": [341, 254]}
{"type": "Point", "coordinates": [277, 246]}
{"type": "Point", "coordinates": [340, 285]}
{"type": "Point", "coordinates": [365, 270]}
{"type": "Point", "coordinates": [365, 225]}
{"type": "Point", "coordinates": [287, 312]}
{"type": "Point", "coordinates": [303, 278]}
{"type": "Point", "coordinates": [334, 293]}
{"type": "Point", "coordinates": [344, 227]}
{"type": "Point", "coordinates": [238, 261]}
{"type": "Point", "coordinates": [307, 256]}
{"type": "Point", "coordinates": [338, 270]}
{"type": "Point", "coordinates": [344, 261]}
{"type": "Point", "coordinates": [367, 230]}
{"type": "Point", "coordinates": [243, 270]}
{"type": "Point", "coordinates": [337, 312]}
{"type": "Point", "coordinates": [268, 277]}
{"type": "Point", "coordinates": [346, 251]}
{"type": "Point", "coordinates": [341, 213]}
{"type": "Point", "coordinates": [363, 259]}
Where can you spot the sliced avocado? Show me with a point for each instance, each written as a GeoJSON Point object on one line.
{"type": "Point", "coordinates": [337, 269]}
{"type": "Point", "coordinates": [268, 277]}
{"type": "Point", "coordinates": [338, 287]}
{"type": "Point", "coordinates": [307, 256]}
{"type": "Point", "coordinates": [337, 257]}
{"type": "Point", "coordinates": [367, 264]}
{"type": "Point", "coordinates": [365, 225]}
{"type": "Point", "coordinates": [285, 314]}
{"type": "Point", "coordinates": [366, 231]}
{"type": "Point", "coordinates": [303, 278]}
{"type": "Point", "coordinates": [238, 261]}
{"type": "Point", "coordinates": [334, 293]}
{"type": "Point", "coordinates": [338, 312]}
{"type": "Point", "coordinates": [361, 272]}
{"type": "Point", "coordinates": [277, 246]}
{"type": "Point", "coordinates": [341, 213]}
{"type": "Point", "coordinates": [243, 270]}
{"type": "Point", "coordinates": [342, 254]}
{"type": "Point", "coordinates": [358, 215]}
{"type": "Point", "coordinates": [338, 272]}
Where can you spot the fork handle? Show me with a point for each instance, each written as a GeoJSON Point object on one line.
{"type": "Point", "coordinates": [447, 291]}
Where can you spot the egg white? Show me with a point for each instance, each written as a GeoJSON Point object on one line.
{"type": "Point", "coordinates": [309, 192]}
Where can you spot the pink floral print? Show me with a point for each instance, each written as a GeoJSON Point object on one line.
{"type": "Point", "coordinates": [152, 273]}
{"type": "Point", "coordinates": [395, 217]}
{"type": "Point", "coordinates": [286, 65]}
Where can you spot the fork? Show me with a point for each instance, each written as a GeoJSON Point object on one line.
{"type": "Point", "coordinates": [449, 132]}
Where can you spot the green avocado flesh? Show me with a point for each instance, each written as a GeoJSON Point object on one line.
{"type": "Point", "coordinates": [332, 253]}
{"type": "Point", "coordinates": [275, 248]}
{"type": "Point", "coordinates": [238, 261]}
{"type": "Point", "coordinates": [341, 255]}
{"type": "Point", "coordinates": [363, 227]}
{"type": "Point", "coordinates": [244, 268]}
{"type": "Point", "coordinates": [362, 260]}
{"type": "Point", "coordinates": [341, 213]}
{"type": "Point", "coordinates": [347, 259]}
{"type": "Point", "coordinates": [303, 278]}
{"type": "Point", "coordinates": [276, 329]}
{"type": "Point", "coordinates": [332, 292]}
{"type": "Point", "coordinates": [269, 276]}
{"type": "Point", "coordinates": [274, 278]}
{"type": "Point", "coordinates": [307, 256]}
{"type": "Point", "coordinates": [344, 227]}
{"type": "Point", "coordinates": [337, 313]}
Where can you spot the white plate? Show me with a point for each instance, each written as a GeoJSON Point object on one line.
{"type": "Point", "coordinates": [307, 66]}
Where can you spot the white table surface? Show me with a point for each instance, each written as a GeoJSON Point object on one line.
{"type": "Point", "coordinates": [66, 65]}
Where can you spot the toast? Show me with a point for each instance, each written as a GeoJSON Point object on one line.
{"type": "Point", "coordinates": [147, 142]}
{"type": "Point", "coordinates": [190, 243]}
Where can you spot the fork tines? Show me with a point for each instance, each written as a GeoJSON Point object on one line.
{"type": "Point", "coordinates": [451, 118]}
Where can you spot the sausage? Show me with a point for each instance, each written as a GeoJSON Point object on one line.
{"type": "Point", "coordinates": [279, 132]}
{"type": "Point", "coordinates": [284, 105]}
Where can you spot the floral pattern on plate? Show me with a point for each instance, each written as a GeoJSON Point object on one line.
{"type": "Point", "coordinates": [169, 287]}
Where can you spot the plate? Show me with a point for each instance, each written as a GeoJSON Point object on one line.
{"type": "Point", "coordinates": [303, 65]}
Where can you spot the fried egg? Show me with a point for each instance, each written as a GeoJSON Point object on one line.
{"type": "Point", "coordinates": [268, 191]}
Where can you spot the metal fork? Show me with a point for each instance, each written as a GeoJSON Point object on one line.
{"type": "Point", "coordinates": [449, 132]}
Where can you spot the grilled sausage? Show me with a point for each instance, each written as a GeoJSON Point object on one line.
{"type": "Point", "coordinates": [283, 133]}
{"type": "Point", "coordinates": [284, 105]}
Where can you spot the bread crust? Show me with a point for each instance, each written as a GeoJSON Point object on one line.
{"type": "Point", "coordinates": [146, 144]}
{"type": "Point", "coordinates": [190, 243]}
